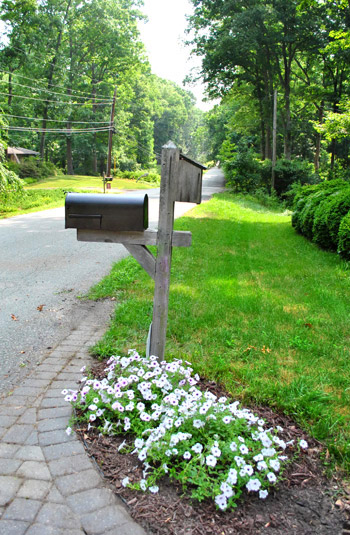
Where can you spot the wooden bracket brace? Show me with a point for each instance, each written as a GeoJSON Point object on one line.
{"type": "Point", "coordinates": [144, 257]}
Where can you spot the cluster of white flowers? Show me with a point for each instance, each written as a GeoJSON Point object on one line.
{"type": "Point", "coordinates": [183, 430]}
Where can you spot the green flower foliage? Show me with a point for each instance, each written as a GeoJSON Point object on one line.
{"type": "Point", "coordinates": [214, 448]}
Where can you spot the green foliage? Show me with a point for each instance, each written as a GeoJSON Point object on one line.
{"type": "Point", "coordinates": [34, 168]}
{"type": "Point", "coordinates": [241, 166]}
{"type": "Point", "coordinates": [10, 184]}
{"type": "Point", "coordinates": [344, 237]}
{"type": "Point", "coordinates": [319, 209]}
{"type": "Point", "coordinates": [328, 217]}
{"type": "Point", "coordinates": [288, 172]}
{"type": "Point", "coordinates": [215, 449]}
{"type": "Point", "coordinates": [32, 201]}
{"type": "Point", "coordinates": [152, 177]}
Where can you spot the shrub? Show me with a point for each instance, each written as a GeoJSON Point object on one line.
{"type": "Point", "coordinates": [340, 206]}
{"type": "Point", "coordinates": [145, 176]}
{"type": "Point", "coordinates": [241, 166]}
{"type": "Point", "coordinates": [10, 184]}
{"type": "Point", "coordinates": [308, 212]}
{"type": "Point", "coordinates": [288, 172]}
{"type": "Point", "coordinates": [304, 206]}
{"type": "Point", "coordinates": [34, 168]}
{"type": "Point", "coordinates": [344, 237]}
{"type": "Point", "coordinates": [320, 230]}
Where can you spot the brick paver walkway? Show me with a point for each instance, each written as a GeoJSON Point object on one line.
{"type": "Point", "coordinates": [48, 484]}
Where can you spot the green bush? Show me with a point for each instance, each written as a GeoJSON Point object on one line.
{"type": "Point", "coordinates": [10, 184]}
{"type": "Point", "coordinates": [339, 208]}
{"type": "Point", "coordinates": [320, 230]}
{"type": "Point", "coordinates": [323, 191]}
{"type": "Point", "coordinates": [301, 198]}
{"type": "Point", "coordinates": [145, 176]}
{"type": "Point", "coordinates": [308, 212]}
{"type": "Point", "coordinates": [288, 172]}
{"type": "Point", "coordinates": [299, 202]}
{"type": "Point", "coordinates": [33, 168]}
{"type": "Point", "coordinates": [243, 171]}
{"type": "Point", "coordinates": [344, 237]}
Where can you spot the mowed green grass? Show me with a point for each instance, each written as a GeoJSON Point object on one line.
{"type": "Point", "coordinates": [87, 182]}
{"type": "Point", "coordinates": [255, 307]}
{"type": "Point", "coordinates": [50, 193]}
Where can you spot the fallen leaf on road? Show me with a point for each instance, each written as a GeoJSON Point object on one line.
{"type": "Point", "coordinates": [14, 317]}
{"type": "Point", "coordinates": [40, 308]}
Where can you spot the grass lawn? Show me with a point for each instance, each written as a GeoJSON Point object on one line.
{"type": "Point", "coordinates": [78, 182]}
{"type": "Point", "coordinates": [50, 193]}
{"type": "Point", "coordinates": [255, 307]}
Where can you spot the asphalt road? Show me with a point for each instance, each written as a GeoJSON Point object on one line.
{"type": "Point", "coordinates": [43, 271]}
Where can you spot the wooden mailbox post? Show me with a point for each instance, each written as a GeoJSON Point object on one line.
{"type": "Point", "coordinates": [181, 180]}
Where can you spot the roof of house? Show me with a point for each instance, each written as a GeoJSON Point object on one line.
{"type": "Point", "coordinates": [20, 150]}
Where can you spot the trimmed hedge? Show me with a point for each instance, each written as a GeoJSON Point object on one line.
{"type": "Point", "coordinates": [319, 211]}
{"type": "Point", "coordinates": [344, 237]}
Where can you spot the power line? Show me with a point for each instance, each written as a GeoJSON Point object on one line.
{"type": "Point", "coordinates": [45, 81]}
{"type": "Point", "coordinates": [57, 130]}
{"type": "Point", "coordinates": [55, 120]}
{"type": "Point", "coordinates": [54, 101]}
{"type": "Point", "coordinates": [107, 101]}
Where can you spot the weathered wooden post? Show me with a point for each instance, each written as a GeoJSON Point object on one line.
{"type": "Point", "coordinates": [167, 197]}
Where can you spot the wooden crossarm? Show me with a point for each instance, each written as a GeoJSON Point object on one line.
{"type": "Point", "coordinates": [180, 238]}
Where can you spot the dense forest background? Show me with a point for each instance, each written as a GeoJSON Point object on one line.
{"type": "Point", "coordinates": [271, 62]}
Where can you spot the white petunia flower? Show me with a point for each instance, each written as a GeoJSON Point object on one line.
{"type": "Point", "coordinates": [198, 424]}
{"type": "Point", "coordinates": [226, 489]}
{"type": "Point", "coordinates": [197, 448]}
{"type": "Point", "coordinates": [216, 451]}
{"type": "Point", "coordinates": [125, 482]}
{"type": "Point", "coordinates": [221, 501]}
{"type": "Point", "coordinates": [275, 464]}
{"type": "Point", "coordinates": [253, 485]}
{"type": "Point", "coordinates": [211, 460]}
{"type": "Point", "coordinates": [263, 494]}
{"type": "Point", "coordinates": [303, 444]}
{"type": "Point", "coordinates": [271, 477]}
{"type": "Point", "coordinates": [243, 449]}
{"type": "Point", "coordinates": [232, 476]}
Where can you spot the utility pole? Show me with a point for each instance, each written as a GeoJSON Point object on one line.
{"type": "Point", "coordinates": [274, 140]}
{"type": "Point", "coordinates": [110, 136]}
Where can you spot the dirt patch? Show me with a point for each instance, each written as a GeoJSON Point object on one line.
{"type": "Point", "coordinates": [304, 503]}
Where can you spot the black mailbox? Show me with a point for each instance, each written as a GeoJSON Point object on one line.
{"type": "Point", "coordinates": [92, 211]}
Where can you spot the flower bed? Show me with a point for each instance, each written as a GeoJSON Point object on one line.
{"type": "Point", "coordinates": [213, 447]}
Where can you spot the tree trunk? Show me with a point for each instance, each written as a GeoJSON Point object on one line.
{"type": "Point", "coordinates": [333, 147]}
{"type": "Point", "coordinates": [69, 154]}
{"type": "Point", "coordinates": [318, 139]}
{"type": "Point", "coordinates": [287, 123]}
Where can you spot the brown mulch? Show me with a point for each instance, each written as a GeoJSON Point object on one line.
{"type": "Point", "coordinates": [304, 503]}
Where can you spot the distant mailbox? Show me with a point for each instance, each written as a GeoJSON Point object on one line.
{"type": "Point", "coordinates": [106, 212]}
{"type": "Point", "coordinates": [189, 182]}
